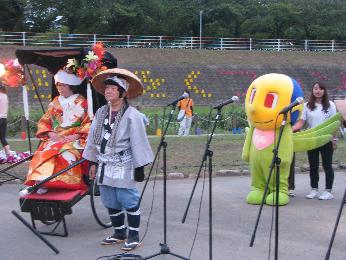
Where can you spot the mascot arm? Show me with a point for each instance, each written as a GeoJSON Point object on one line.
{"type": "Point", "coordinates": [318, 131]}
{"type": "Point", "coordinates": [246, 148]}
{"type": "Point", "coordinates": [305, 144]}
{"type": "Point", "coordinates": [335, 118]}
{"type": "Point", "coordinates": [317, 136]}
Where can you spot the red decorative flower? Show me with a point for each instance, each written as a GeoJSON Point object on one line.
{"type": "Point", "coordinates": [13, 75]}
{"type": "Point", "coordinates": [90, 65]}
{"type": "Point", "coordinates": [81, 73]}
{"type": "Point", "coordinates": [99, 50]}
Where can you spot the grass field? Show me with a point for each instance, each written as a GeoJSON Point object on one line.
{"type": "Point", "coordinates": [184, 154]}
{"type": "Point", "coordinates": [144, 56]}
{"type": "Point", "coordinates": [155, 116]}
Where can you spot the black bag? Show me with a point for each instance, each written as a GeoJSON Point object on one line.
{"type": "Point", "coordinates": [139, 174]}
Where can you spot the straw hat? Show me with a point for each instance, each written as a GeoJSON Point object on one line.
{"type": "Point", "coordinates": [341, 106]}
{"type": "Point", "coordinates": [135, 87]}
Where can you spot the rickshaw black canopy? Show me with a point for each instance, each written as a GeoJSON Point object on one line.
{"type": "Point", "coordinates": [55, 59]}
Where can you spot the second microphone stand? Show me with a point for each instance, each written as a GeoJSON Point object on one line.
{"type": "Point", "coordinates": [276, 161]}
{"type": "Point", "coordinates": [164, 247]}
{"type": "Point", "coordinates": [343, 203]}
{"type": "Point", "coordinates": [208, 154]}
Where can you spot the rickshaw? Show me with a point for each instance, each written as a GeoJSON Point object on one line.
{"type": "Point", "coordinates": [52, 207]}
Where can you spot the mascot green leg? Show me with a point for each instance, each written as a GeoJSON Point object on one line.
{"type": "Point", "coordinates": [257, 185]}
{"type": "Point", "coordinates": [283, 187]}
{"type": "Point", "coordinates": [255, 197]}
{"type": "Point", "coordinates": [283, 199]}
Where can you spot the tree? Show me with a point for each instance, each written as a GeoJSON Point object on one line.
{"type": "Point", "coordinates": [11, 14]}
{"type": "Point", "coordinates": [40, 15]}
{"type": "Point", "coordinates": [301, 19]}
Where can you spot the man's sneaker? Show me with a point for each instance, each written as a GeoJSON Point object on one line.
{"type": "Point", "coordinates": [312, 194]}
{"type": "Point", "coordinates": [291, 193]}
{"type": "Point", "coordinates": [113, 239]}
{"type": "Point", "coordinates": [131, 246]}
{"type": "Point", "coordinates": [326, 195]}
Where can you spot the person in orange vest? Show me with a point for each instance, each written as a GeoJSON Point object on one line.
{"type": "Point", "coordinates": [187, 105]}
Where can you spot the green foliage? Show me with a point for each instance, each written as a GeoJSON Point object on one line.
{"type": "Point", "coordinates": [11, 14]}
{"type": "Point", "coordinates": [300, 19]}
{"type": "Point", "coordinates": [232, 116]}
{"type": "Point", "coordinates": [15, 124]}
{"type": "Point", "coordinates": [204, 117]}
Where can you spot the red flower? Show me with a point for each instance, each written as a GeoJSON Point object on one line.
{"type": "Point", "coordinates": [99, 50]}
{"type": "Point", "coordinates": [14, 74]}
{"type": "Point", "coordinates": [81, 73]}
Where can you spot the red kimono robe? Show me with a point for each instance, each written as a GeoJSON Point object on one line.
{"type": "Point", "coordinates": [65, 116]}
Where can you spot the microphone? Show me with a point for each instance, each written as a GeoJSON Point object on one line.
{"type": "Point", "coordinates": [185, 95]}
{"type": "Point", "coordinates": [298, 101]}
{"type": "Point", "coordinates": [234, 99]}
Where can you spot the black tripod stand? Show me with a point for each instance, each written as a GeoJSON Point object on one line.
{"type": "Point", "coordinates": [343, 201]}
{"type": "Point", "coordinates": [276, 161]}
{"type": "Point", "coordinates": [164, 247]}
{"type": "Point", "coordinates": [208, 154]}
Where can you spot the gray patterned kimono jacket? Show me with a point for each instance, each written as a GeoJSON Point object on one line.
{"type": "Point", "coordinates": [131, 150]}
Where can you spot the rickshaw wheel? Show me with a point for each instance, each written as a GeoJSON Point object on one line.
{"type": "Point", "coordinates": [99, 211]}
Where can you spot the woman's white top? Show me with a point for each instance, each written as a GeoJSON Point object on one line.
{"type": "Point", "coordinates": [318, 115]}
{"type": "Point", "coordinates": [3, 105]}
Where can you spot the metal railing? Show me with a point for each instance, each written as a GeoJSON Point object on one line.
{"type": "Point", "coordinates": [172, 42]}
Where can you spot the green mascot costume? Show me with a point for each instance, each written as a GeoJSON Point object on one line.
{"type": "Point", "coordinates": [265, 98]}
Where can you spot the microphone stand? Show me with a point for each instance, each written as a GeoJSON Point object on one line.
{"type": "Point", "coordinates": [343, 201]}
{"type": "Point", "coordinates": [164, 247]}
{"type": "Point", "coordinates": [207, 154]}
{"type": "Point", "coordinates": [276, 161]}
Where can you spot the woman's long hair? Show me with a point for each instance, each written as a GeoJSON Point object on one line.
{"type": "Point", "coordinates": [3, 89]}
{"type": "Point", "coordinates": [325, 99]}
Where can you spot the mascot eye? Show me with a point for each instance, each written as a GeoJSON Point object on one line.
{"type": "Point", "coordinates": [252, 96]}
{"type": "Point", "coordinates": [271, 100]}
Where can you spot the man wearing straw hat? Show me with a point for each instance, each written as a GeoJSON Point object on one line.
{"type": "Point", "coordinates": [118, 149]}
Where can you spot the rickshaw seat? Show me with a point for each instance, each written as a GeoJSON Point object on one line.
{"type": "Point", "coordinates": [52, 207]}
{"type": "Point", "coordinates": [57, 195]}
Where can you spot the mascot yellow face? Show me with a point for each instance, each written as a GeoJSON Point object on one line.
{"type": "Point", "coordinates": [267, 96]}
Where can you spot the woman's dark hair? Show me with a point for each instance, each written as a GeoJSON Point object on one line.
{"type": "Point", "coordinates": [3, 89]}
{"type": "Point", "coordinates": [121, 91]}
{"type": "Point", "coordinates": [75, 89]}
{"type": "Point", "coordinates": [325, 99]}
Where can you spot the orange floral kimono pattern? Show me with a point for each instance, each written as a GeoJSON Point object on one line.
{"type": "Point", "coordinates": [64, 118]}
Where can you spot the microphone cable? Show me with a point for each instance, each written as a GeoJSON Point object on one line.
{"type": "Point", "coordinates": [199, 210]}
{"type": "Point", "coordinates": [126, 255]}
{"type": "Point", "coordinates": [154, 184]}
{"type": "Point", "coordinates": [121, 256]}
{"type": "Point", "coordinates": [203, 188]}
{"type": "Point", "coordinates": [273, 207]}
{"type": "Point", "coordinates": [152, 200]}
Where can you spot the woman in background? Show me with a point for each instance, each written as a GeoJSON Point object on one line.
{"type": "Point", "coordinates": [318, 109]}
